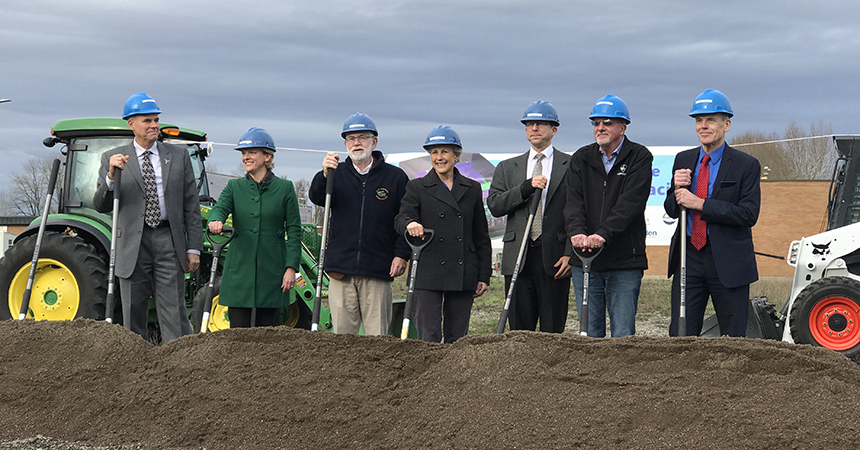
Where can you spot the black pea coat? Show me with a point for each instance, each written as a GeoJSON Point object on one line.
{"type": "Point", "coordinates": [459, 255]}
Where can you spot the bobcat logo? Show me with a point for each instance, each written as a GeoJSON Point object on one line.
{"type": "Point", "coordinates": [821, 249]}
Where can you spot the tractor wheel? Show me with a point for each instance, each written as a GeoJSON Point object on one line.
{"type": "Point", "coordinates": [298, 315]}
{"type": "Point", "coordinates": [70, 280]}
{"type": "Point", "coordinates": [218, 315]}
{"type": "Point", "coordinates": [827, 314]}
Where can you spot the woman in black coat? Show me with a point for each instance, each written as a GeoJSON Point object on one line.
{"type": "Point", "coordinates": [455, 266]}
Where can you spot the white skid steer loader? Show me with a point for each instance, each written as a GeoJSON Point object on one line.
{"type": "Point", "coordinates": [823, 308]}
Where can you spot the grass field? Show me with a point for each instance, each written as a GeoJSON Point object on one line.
{"type": "Point", "coordinates": [653, 300]}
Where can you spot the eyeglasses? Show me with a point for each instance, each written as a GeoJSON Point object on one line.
{"type": "Point", "coordinates": [362, 137]}
{"type": "Point", "coordinates": [607, 122]}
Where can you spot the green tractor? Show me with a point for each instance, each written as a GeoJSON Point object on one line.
{"type": "Point", "coordinates": [71, 276]}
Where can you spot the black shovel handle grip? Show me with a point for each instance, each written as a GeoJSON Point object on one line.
{"type": "Point", "coordinates": [586, 257]}
{"type": "Point", "coordinates": [535, 201]}
{"type": "Point", "coordinates": [218, 246]}
{"type": "Point", "coordinates": [55, 170]}
{"type": "Point", "coordinates": [117, 177]}
{"type": "Point", "coordinates": [416, 248]}
{"type": "Point", "coordinates": [329, 182]}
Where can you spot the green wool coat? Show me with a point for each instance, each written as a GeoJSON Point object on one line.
{"type": "Point", "coordinates": [258, 256]}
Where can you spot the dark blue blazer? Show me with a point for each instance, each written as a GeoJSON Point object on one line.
{"type": "Point", "coordinates": [730, 212]}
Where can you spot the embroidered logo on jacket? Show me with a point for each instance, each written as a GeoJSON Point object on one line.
{"type": "Point", "coordinates": [622, 171]}
{"type": "Point", "coordinates": [382, 194]}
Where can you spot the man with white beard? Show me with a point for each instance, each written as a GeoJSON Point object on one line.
{"type": "Point", "coordinates": [364, 251]}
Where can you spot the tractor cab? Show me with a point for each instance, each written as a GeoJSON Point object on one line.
{"type": "Point", "coordinates": [87, 139]}
{"type": "Point", "coordinates": [843, 207]}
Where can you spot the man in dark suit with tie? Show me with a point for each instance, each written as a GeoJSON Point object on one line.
{"type": "Point", "coordinates": [722, 195]}
{"type": "Point", "coordinates": [159, 230]}
{"type": "Point", "coordinates": [543, 285]}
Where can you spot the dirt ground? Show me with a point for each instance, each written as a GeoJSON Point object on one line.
{"type": "Point", "coordinates": [87, 381]}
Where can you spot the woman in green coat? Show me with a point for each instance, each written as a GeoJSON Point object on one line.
{"type": "Point", "coordinates": [260, 267]}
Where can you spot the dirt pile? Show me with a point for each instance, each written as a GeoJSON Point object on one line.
{"type": "Point", "coordinates": [272, 388]}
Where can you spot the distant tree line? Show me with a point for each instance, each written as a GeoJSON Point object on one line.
{"type": "Point", "coordinates": [796, 155]}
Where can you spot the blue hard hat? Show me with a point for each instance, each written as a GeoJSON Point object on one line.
{"type": "Point", "coordinates": [610, 106]}
{"type": "Point", "coordinates": [442, 135]}
{"type": "Point", "coordinates": [711, 101]}
{"type": "Point", "coordinates": [358, 122]}
{"type": "Point", "coordinates": [139, 103]}
{"type": "Point", "coordinates": [540, 111]}
{"type": "Point", "coordinates": [256, 138]}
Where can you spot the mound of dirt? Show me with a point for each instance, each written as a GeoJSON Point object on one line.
{"type": "Point", "coordinates": [280, 387]}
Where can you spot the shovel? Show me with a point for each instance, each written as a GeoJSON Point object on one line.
{"type": "Point", "coordinates": [682, 309]}
{"type": "Point", "coordinates": [111, 294]}
{"type": "Point", "coordinates": [216, 253]}
{"type": "Point", "coordinates": [413, 269]}
{"type": "Point", "coordinates": [586, 271]}
{"type": "Point", "coordinates": [329, 188]}
{"type": "Point", "coordinates": [25, 303]}
{"type": "Point", "coordinates": [500, 328]}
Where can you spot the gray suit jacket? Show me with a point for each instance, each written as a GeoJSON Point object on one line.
{"type": "Point", "coordinates": [505, 198]}
{"type": "Point", "coordinates": [180, 198]}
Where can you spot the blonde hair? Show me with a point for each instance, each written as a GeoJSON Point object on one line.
{"type": "Point", "coordinates": [270, 164]}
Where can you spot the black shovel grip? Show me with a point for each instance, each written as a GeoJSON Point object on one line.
{"type": "Point", "coordinates": [117, 177]}
{"type": "Point", "coordinates": [586, 257]}
{"type": "Point", "coordinates": [55, 170]}
{"type": "Point", "coordinates": [218, 246]}
{"type": "Point", "coordinates": [329, 182]}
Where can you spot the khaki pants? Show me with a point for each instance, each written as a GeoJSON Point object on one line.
{"type": "Point", "coordinates": [355, 300]}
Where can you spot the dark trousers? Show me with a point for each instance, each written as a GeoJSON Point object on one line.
{"type": "Point", "coordinates": [241, 317]}
{"type": "Point", "coordinates": [730, 304]}
{"type": "Point", "coordinates": [538, 296]}
{"type": "Point", "coordinates": [439, 313]}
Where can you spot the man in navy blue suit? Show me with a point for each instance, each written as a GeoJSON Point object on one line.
{"type": "Point", "coordinates": [722, 195]}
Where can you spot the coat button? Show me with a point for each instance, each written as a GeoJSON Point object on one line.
{"type": "Point", "coordinates": [460, 262]}
{"type": "Point", "coordinates": [441, 239]}
{"type": "Point", "coordinates": [459, 238]}
{"type": "Point", "coordinates": [459, 216]}
{"type": "Point", "coordinates": [441, 214]}
{"type": "Point", "coordinates": [442, 262]}
{"type": "Point", "coordinates": [254, 199]}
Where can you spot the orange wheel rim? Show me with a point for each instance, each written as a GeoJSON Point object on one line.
{"type": "Point", "coordinates": [833, 323]}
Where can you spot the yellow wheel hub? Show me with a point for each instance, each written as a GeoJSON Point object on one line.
{"type": "Point", "coordinates": [294, 315]}
{"type": "Point", "coordinates": [55, 294]}
{"type": "Point", "coordinates": [218, 316]}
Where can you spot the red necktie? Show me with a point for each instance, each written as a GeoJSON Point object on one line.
{"type": "Point", "coordinates": [699, 233]}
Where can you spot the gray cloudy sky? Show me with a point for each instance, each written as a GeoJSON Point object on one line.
{"type": "Point", "coordinates": [299, 69]}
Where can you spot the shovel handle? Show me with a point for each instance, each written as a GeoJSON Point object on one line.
{"type": "Point", "coordinates": [110, 300]}
{"type": "Point", "coordinates": [413, 270]}
{"type": "Point", "coordinates": [217, 247]}
{"type": "Point", "coordinates": [682, 282]}
{"type": "Point", "coordinates": [315, 313]}
{"type": "Point", "coordinates": [533, 206]}
{"type": "Point", "coordinates": [586, 270]}
{"type": "Point", "coordinates": [25, 301]}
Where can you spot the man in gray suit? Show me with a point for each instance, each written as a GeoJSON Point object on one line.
{"type": "Point", "coordinates": [159, 230]}
{"type": "Point", "coordinates": [543, 285]}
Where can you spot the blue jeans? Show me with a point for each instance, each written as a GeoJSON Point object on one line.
{"type": "Point", "coordinates": [616, 291]}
